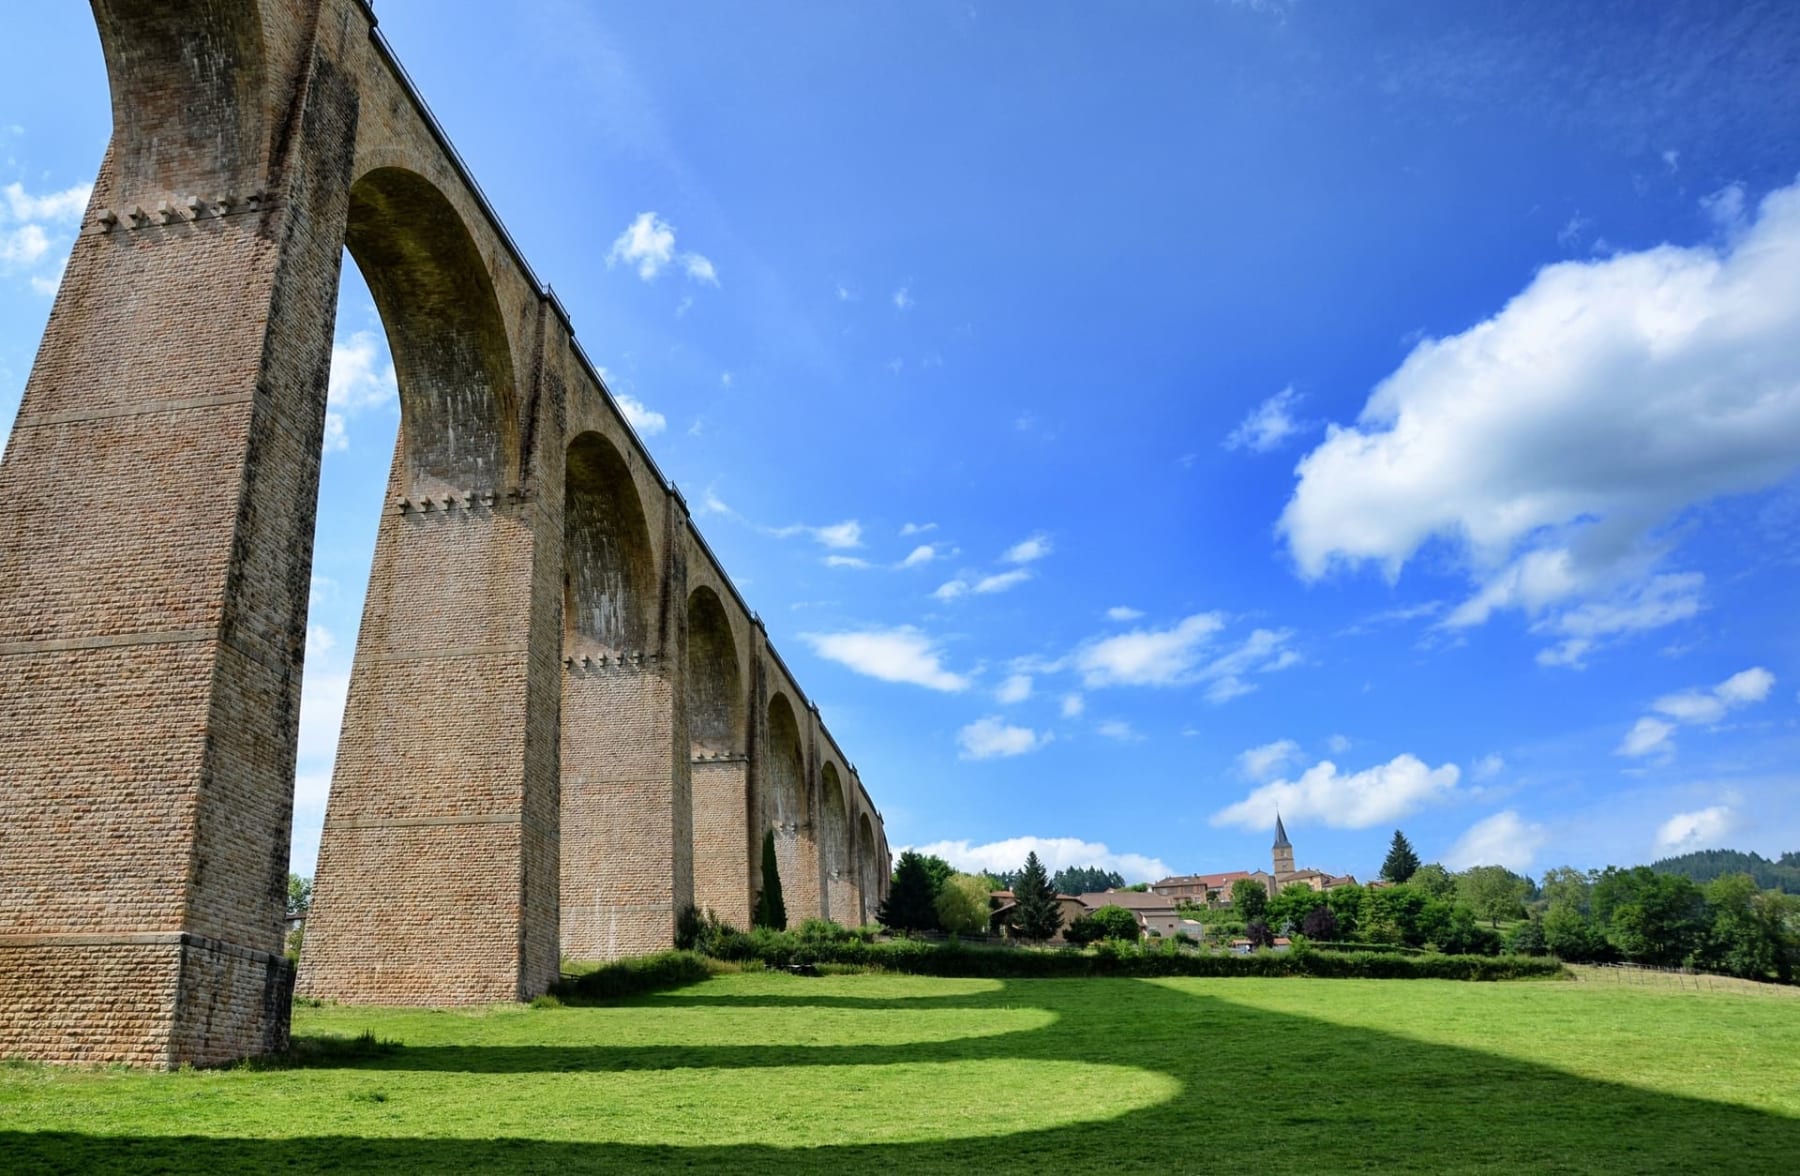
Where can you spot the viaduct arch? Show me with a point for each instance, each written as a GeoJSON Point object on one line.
{"type": "Point", "coordinates": [563, 725]}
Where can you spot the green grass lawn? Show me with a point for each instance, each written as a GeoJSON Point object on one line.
{"type": "Point", "coordinates": [766, 1072]}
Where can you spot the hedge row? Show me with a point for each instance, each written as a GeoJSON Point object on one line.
{"type": "Point", "coordinates": [952, 958]}
{"type": "Point", "coordinates": [636, 976]}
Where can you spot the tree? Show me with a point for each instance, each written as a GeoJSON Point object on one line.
{"type": "Point", "coordinates": [1568, 935]}
{"type": "Point", "coordinates": [1259, 934]}
{"type": "Point", "coordinates": [911, 903]}
{"type": "Point", "coordinates": [1249, 899]}
{"type": "Point", "coordinates": [1528, 938]}
{"type": "Point", "coordinates": [1492, 892]}
{"type": "Point", "coordinates": [1347, 902]}
{"type": "Point", "coordinates": [1115, 922]}
{"type": "Point", "coordinates": [1293, 904]}
{"type": "Point", "coordinates": [299, 894]}
{"type": "Point", "coordinates": [1402, 863]}
{"type": "Point", "coordinates": [771, 908]}
{"type": "Point", "coordinates": [938, 870]}
{"type": "Point", "coordinates": [1036, 915]}
{"type": "Point", "coordinates": [1320, 924]}
{"type": "Point", "coordinates": [1434, 880]}
{"type": "Point", "coordinates": [1085, 880]}
{"type": "Point", "coordinates": [962, 905]}
{"type": "Point", "coordinates": [1651, 918]}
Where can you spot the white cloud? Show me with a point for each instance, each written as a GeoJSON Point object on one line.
{"type": "Point", "coordinates": [1016, 688]}
{"type": "Point", "coordinates": [994, 738]}
{"type": "Point", "coordinates": [23, 246]}
{"type": "Point", "coordinates": [1504, 839]}
{"type": "Point", "coordinates": [1120, 730]}
{"type": "Point", "coordinates": [1660, 600]}
{"type": "Point", "coordinates": [1374, 796]}
{"type": "Point", "coordinates": [362, 376]}
{"type": "Point", "coordinates": [65, 205]}
{"type": "Point", "coordinates": [840, 535]}
{"type": "Point", "coordinates": [892, 655]}
{"type": "Point", "coordinates": [1338, 744]}
{"type": "Point", "coordinates": [1702, 705]}
{"type": "Point", "coordinates": [337, 434]}
{"type": "Point", "coordinates": [1647, 736]}
{"type": "Point", "coordinates": [1072, 705]}
{"type": "Point", "coordinates": [322, 695]}
{"type": "Point", "coordinates": [846, 561]}
{"type": "Point", "coordinates": [1149, 657]}
{"type": "Point", "coordinates": [1746, 686]}
{"type": "Point", "coordinates": [903, 299]}
{"type": "Point", "coordinates": [648, 243]}
{"type": "Point", "coordinates": [1001, 581]}
{"type": "Point", "coordinates": [699, 269]}
{"type": "Point", "coordinates": [1120, 612]}
{"type": "Point", "coordinates": [1705, 829]}
{"type": "Point", "coordinates": [951, 589]}
{"type": "Point", "coordinates": [726, 379]}
{"type": "Point", "coordinates": [917, 528]}
{"type": "Point", "coordinates": [1486, 768]}
{"type": "Point", "coordinates": [1268, 425]}
{"type": "Point", "coordinates": [924, 553]}
{"type": "Point", "coordinates": [33, 243]}
{"type": "Point", "coordinates": [1057, 853]}
{"type": "Point", "coordinates": [319, 641]}
{"type": "Point", "coordinates": [1029, 550]}
{"type": "Point", "coordinates": [1259, 763]}
{"type": "Point", "coordinates": [1552, 444]}
{"type": "Point", "coordinates": [640, 416]}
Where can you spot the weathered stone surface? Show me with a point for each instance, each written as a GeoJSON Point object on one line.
{"type": "Point", "coordinates": [563, 723]}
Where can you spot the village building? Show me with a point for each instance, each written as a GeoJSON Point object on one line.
{"type": "Point", "coordinates": [1215, 889]}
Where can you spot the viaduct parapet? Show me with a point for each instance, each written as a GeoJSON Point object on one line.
{"type": "Point", "coordinates": [564, 724]}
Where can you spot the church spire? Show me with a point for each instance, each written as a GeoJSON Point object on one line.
{"type": "Point", "coordinates": [1284, 850]}
{"type": "Point", "coordinates": [1281, 841]}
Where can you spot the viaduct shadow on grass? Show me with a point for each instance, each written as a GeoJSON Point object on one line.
{"type": "Point", "coordinates": [1259, 1092]}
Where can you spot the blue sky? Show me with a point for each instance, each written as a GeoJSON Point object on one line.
{"type": "Point", "coordinates": [1129, 419]}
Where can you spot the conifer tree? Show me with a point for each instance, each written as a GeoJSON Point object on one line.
{"type": "Point", "coordinates": [1036, 915]}
{"type": "Point", "coordinates": [911, 902]}
{"type": "Point", "coordinates": [1402, 863]}
{"type": "Point", "coordinates": [771, 908]}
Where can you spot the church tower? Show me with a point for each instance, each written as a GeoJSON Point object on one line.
{"type": "Point", "coordinates": [1284, 851]}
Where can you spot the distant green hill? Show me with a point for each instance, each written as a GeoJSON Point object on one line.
{"type": "Point", "coordinates": [1707, 864]}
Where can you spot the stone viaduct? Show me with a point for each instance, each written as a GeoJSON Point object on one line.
{"type": "Point", "coordinates": [564, 724]}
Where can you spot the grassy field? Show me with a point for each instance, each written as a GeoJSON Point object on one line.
{"type": "Point", "coordinates": [774, 1073]}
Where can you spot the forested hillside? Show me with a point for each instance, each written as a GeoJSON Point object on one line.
{"type": "Point", "coordinates": [1704, 865]}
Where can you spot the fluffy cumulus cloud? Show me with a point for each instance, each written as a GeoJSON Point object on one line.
{"type": "Point", "coordinates": [362, 378]}
{"type": "Point", "coordinates": [1653, 735]}
{"type": "Point", "coordinates": [1185, 654]}
{"type": "Point", "coordinates": [891, 655]}
{"type": "Point", "coordinates": [1504, 839]}
{"type": "Point", "coordinates": [1121, 612]}
{"type": "Point", "coordinates": [32, 232]}
{"type": "Point", "coordinates": [1647, 736]}
{"type": "Point", "coordinates": [924, 553]}
{"type": "Point", "coordinates": [1119, 730]}
{"type": "Point", "coordinates": [1071, 706]}
{"type": "Point", "coordinates": [1705, 829]}
{"type": "Point", "coordinates": [1016, 688]}
{"type": "Point", "coordinates": [1269, 424]}
{"type": "Point", "coordinates": [648, 246]}
{"type": "Point", "coordinates": [1551, 445]}
{"type": "Point", "coordinates": [1057, 853]}
{"type": "Point", "coordinates": [1326, 796]}
{"type": "Point", "coordinates": [995, 738]}
{"type": "Point", "coordinates": [1029, 550]}
{"type": "Point", "coordinates": [641, 417]}
{"type": "Point", "coordinates": [1260, 763]}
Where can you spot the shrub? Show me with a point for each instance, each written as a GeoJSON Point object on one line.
{"type": "Point", "coordinates": [633, 977]}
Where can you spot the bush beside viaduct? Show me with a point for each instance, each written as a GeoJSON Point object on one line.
{"type": "Point", "coordinates": [564, 725]}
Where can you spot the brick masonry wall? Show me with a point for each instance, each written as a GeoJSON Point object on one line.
{"type": "Point", "coordinates": [152, 640]}
{"type": "Point", "coordinates": [151, 643]}
{"type": "Point", "coordinates": [722, 838]}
